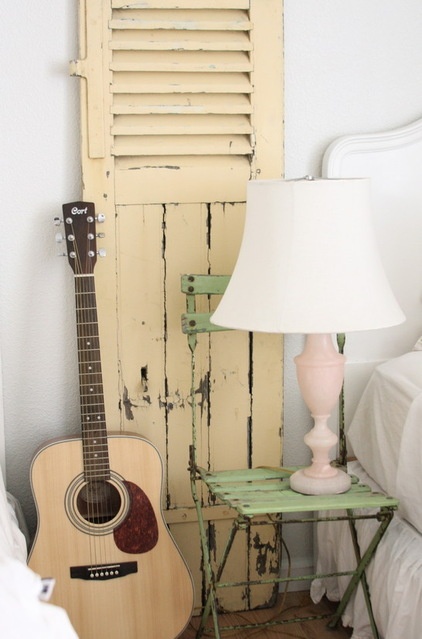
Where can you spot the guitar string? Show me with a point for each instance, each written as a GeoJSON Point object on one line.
{"type": "Point", "coordinates": [79, 322]}
{"type": "Point", "coordinates": [90, 373]}
{"type": "Point", "coordinates": [96, 448]}
{"type": "Point", "coordinates": [95, 441]}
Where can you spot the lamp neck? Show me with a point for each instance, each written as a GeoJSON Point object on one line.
{"type": "Point", "coordinates": [318, 346]}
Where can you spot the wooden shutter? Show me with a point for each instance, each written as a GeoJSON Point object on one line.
{"type": "Point", "coordinates": [181, 105]}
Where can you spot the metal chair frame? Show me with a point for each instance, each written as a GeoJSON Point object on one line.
{"type": "Point", "coordinates": [256, 494]}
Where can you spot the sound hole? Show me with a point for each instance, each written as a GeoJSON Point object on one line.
{"type": "Point", "coordinates": [98, 502]}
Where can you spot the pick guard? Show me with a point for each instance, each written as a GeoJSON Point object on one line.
{"type": "Point", "coordinates": [139, 531]}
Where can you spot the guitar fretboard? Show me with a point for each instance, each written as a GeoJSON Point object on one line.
{"type": "Point", "coordinates": [93, 424]}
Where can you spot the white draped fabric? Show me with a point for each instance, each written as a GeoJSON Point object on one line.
{"type": "Point", "coordinates": [22, 613]}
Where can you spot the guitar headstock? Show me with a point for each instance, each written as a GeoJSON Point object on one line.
{"type": "Point", "coordinates": [80, 236]}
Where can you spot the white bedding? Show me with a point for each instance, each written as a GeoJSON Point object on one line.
{"type": "Point", "coordinates": [394, 575]}
{"type": "Point", "coordinates": [386, 432]}
{"type": "Point", "coordinates": [22, 614]}
{"type": "Point", "coordinates": [386, 435]}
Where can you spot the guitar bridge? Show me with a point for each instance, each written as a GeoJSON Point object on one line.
{"type": "Point", "coordinates": [104, 572]}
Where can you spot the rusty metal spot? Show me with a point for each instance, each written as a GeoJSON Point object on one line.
{"type": "Point", "coordinates": [212, 538]}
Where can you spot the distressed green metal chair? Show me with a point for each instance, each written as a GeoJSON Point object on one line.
{"type": "Point", "coordinates": [256, 494]}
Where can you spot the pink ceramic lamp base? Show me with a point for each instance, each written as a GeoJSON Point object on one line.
{"type": "Point", "coordinates": [301, 483]}
{"type": "Point", "coordinates": [320, 373]}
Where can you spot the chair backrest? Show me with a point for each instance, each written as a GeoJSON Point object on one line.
{"type": "Point", "coordinates": [194, 322]}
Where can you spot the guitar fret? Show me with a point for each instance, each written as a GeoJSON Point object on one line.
{"type": "Point", "coordinates": [85, 351]}
{"type": "Point", "coordinates": [87, 391]}
{"type": "Point", "coordinates": [90, 363]}
{"type": "Point", "coordinates": [90, 389]}
{"type": "Point", "coordinates": [92, 408]}
{"type": "Point", "coordinates": [94, 424]}
{"type": "Point", "coordinates": [100, 476]}
{"type": "Point", "coordinates": [83, 323]}
{"type": "Point", "coordinates": [92, 384]}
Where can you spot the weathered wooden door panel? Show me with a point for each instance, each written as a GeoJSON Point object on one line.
{"type": "Point", "coordinates": [181, 105]}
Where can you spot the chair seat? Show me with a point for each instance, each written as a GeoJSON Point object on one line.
{"type": "Point", "coordinates": [260, 491]}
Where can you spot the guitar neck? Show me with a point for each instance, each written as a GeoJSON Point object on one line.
{"type": "Point", "coordinates": [93, 423]}
{"type": "Point", "coordinates": [80, 235]}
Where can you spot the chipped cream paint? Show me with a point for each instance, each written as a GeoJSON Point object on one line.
{"type": "Point", "coordinates": [189, 109]}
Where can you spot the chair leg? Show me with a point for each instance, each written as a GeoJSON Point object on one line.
{"type": "Point", "coordinates": [359, 575]}
{"type": "Point", "coordinates": [210, 605]}
{"type": "Point", "coordinates": [363, 579]}
{"type": "Point", "coordinates": [213, 579]}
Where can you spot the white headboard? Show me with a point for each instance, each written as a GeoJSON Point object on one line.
{"type": "Point", "coordinates": [393, 161]}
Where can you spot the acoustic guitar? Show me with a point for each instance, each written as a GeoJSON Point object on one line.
{"type": "Point", "coordinates": [101, 533]}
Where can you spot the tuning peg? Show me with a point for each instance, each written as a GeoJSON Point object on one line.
{"type": "Point", "coordinates": [101, 252]}
{"type": "Point", "coordinates": [59, 238]}
{"type": "Point", "coordinates": [57, 221]}
{"type": "Point", "coordinates": [100, 218]}
{"type": "Point", "coordinates": [100, 235]}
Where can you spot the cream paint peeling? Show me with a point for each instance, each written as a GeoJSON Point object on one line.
{"type": "Point", "coordinates": [153, 166]}
{"type": "Point", "coordinates": [127, 405]}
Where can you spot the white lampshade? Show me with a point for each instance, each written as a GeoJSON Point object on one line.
{"type": "Point", "coordinates": [308, 261]}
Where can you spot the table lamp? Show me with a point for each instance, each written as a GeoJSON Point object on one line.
{"type": "Point", "coordinates": [309, 263]}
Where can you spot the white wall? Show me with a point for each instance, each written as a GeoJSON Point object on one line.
{"type": "Point", "coordinates": [351, 66]}
{"type": "Point", "coordinates": [39, 171]}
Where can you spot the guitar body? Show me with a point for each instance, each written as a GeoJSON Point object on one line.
{"type": "Point", "coordinates": [119, 574]}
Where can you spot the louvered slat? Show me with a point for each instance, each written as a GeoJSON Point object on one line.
{"type": "Point", "coordinates": [149, 40]}
{"type": "Point", "coordinates": [185, 61]}
{"type": "Point", "coordinates": [173, 125]}
{"type": "Point", "coordinates": [182, 83]}
{"type": "Point", "coordinates": [165, 145]}
{"type": "Point", "coordinates": [180, 4]}
{"type": "Point", "coordinates": [210, 20]}
{"type": "Point", "coordinates": [181, 104]}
